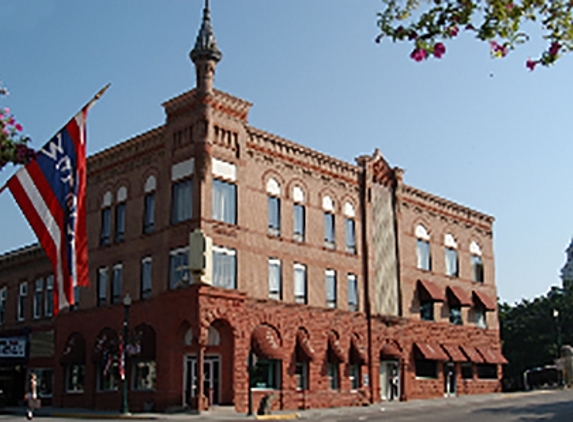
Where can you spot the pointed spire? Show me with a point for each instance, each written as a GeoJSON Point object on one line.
{"type": "Point", "coordinates": [205, 46]}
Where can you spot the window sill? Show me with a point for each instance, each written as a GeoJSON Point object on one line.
{"type": "Point", "coordinates": [75, 392]}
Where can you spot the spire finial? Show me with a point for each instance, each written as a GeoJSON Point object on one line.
{"type": "Point", "coordinates": [205, 45]}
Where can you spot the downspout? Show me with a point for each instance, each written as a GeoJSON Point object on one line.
{"type": "Point", "coordinates": [395, 183]}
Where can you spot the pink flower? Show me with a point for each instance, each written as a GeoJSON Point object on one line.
{"type": "Point", "coordinates": [11, 121]}
{"type": "Point", "coordinates": [453, 31]}
{"type": "Point", "coordinates": [7, 110]}
{"type": "Point", "coordinates": [554, 49]}
{"type": "Point", "coordinates": [418, 54]}
{"type": "Point", "coordinates": [439, 50]}
{"type": "Point", "coordinates": [18, 127]}
{"type": "Point", "coordinates": [530, 64]}
{"type": "Point", "coordinates": [509, 6]}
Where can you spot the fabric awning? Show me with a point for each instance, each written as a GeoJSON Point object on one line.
{"type": "Point", "coordinates": [472, 354]}
{"type": "Point", "coordinates": [304, 349]}
{"type": "Point", "coordinates": [265, 343]}
{"type": "Point", "coordinates": [454, 353]}
{"type": "Point", "coordinates": [431, 351]}
{"type": "Point", "coordinates": [458, 295]}
{"type": "Point", "coordinates": [432, 291]}
{"type": "Point", "coordinates": [481, 299]}
{"type": "Point", "coordinates": [74, 350]}
{"type": "Point", "coordinates": [390, 351]}
{"type": "Point", "coordinates": [358, 350]}
{"type": "Point", "coordinates": [492, 355]}
{"type": "Point", "coordinates": [145, 338]}
{"type": "Point", "coordinates": [335, 347]}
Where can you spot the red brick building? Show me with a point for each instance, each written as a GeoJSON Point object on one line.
{"type": "Point", "coordinates": [335, 282]}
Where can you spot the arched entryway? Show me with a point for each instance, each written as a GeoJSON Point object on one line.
{"type": "Point", "coordinates": [390, 371]}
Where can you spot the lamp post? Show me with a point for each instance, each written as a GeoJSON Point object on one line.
{"type": "Point", "coordinates": [124, 405]}
{"type": "Point", "coordinates": [556, 316]}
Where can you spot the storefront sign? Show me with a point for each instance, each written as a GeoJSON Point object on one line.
{"type": "Point", "coordinates": [12, 347]}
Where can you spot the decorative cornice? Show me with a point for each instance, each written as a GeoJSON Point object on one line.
{"type": "Point", "coordinates": [20, 255]}
{"type": "Point", "coordinates": [220, 101]}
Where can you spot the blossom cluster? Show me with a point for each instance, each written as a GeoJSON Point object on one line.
{"type": "Point", "coordinates": [13, 145]}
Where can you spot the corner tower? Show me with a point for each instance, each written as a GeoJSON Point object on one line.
{"type": "Point", "coordinates": [205, 54]}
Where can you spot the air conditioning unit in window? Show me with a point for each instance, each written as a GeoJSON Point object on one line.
{"type": "Point", "coordinates": [200, 257]}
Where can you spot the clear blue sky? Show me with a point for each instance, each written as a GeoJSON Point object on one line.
{"type": "Point", "coordinates": [485, 133]}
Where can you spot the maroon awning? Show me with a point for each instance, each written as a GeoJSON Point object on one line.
{"type": "Point", "coordinates": [472, 354]}
{"type": "Point", "coordinates": [335, 347]}
{"type": "Point", "coordinates": [458, 295]}
{"type": "Point", "coordinates": [432, 291]}
{"type": "Point", "coordinates": [390, 351]}
{"type": "Point", "coordinates": [265, 343]}
{"type": "Point", "coordinates": [305, 351]}
{"type": "Point", "coordinates": [359, 354]}
{"type": "Point", "coordinates": [74, 350]}
{"type": "Point", "coordinates": [482, 300]}
{"type": "Point", "coordinates": [454, 353]}
{"type": "Point", "coordinates": [491, 355]}
{"type": "Point", "coordinates": [431, 351]}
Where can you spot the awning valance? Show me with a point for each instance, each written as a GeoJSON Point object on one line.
{"type": "Point", "coordinates": [482, 300]}
{"type": "Point", "coordinates": [74, 350]}
{"type": "Point", "coordinates": [492, 355]}
{"type": "Point", "coordinates": [358, 351]}
{"type": "Point", "coordinates": [430, 291]}
{"type": "Point", "coordinates": [304, 350]}
{"type": "Point", "coordinates": [458, 296]}
{"type": "Point", "coordinates": [472, 354]}
{"type": "Point", "coordinates": [454, 353]}
{"type": "Point", "coordinates": [390, 351]}
{"type": "Point", "coordinates": [265, 343]}
{"type": "Point", "coordinates": [335, 347]}
{"type": "Point", "coordinates": [431, 351]}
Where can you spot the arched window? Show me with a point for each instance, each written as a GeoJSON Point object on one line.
{"type": "Point", "coordinates": [105, 229]}
{"type": "Point", "coordinates": [121, 197]}
{"type": "Point", "coordinates": [299, 219]}
{"type": "Point", "coordinates": [423, 248]}
{"type": "Point", "coordinates": [329, 222]}
{"type": "Point", "coordinates": [476, 262]}
{"type": "Point", "coordinates": [214, 338]}
{"type": "Point", "coordinates": [274, 201]}
{"type": "Point", "coordinates": [149, 205]}
{"type": "Point", "coordinates": [350, 227]}
{"type": "Point", "coordinates": [451, 255]}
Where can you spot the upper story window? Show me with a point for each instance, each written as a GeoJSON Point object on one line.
{"type": "Point", "coordinates": [149, 205]}
{"type": "Point", "coordinates": [275, 279]}
{"type": "Point", "coordinates": [329, 223]}
{"type": "Point", "coordinates": [476, 261]}
{"type": "Point", "coordinates": [119, 234]}
{"type": "Point", "coordinates": [182, 191]}
{"type": "Point", "coordinates": [274, 201]}
{"type": "Point", "coordinates": [423, 248]}
{"type": "Point", "coordinates": [178, 266]}
{"type": "Point", "coordinates": [116, 279]}
{"type": "Point", "coordinates": [300, 295]}
{"type": "Point", "coordinates": [480, 317]}
{"type": "Point", "coordinates": [224, 267]}
{"type": "Point", "coordinates": [146, 277]}
{"type": "Point", "coordinates": [105, 230]}
{"type": "Point", "coordinates": [3, 299]}
{"type": "Point", "coordinates": [224, 193]}
{"type": "Point", "coordinates": [349, 225]}
{"type": "Point", "coordinates": [49, 298]}
{"type": "Point", "coordinates": [352, 292]}
{"type": "Point", "coordinates": [299, 216]}
{"type": "Point", "coordinates": [38, 297]}
{"type": "Point", "coordinates": [102, 280]}
{"type": "Point", "coordinates": [330, 276]}
{"type": "Point", "coordinates": [23, 294]}
{"type": "Point", "coordinates": [451, 255]}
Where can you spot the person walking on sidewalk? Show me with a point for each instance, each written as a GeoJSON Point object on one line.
{"type": "Point", "coordinates": [31, 396]}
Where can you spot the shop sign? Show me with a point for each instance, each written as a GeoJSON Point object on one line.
{"type": "Point", "coordinates": [12, 347]}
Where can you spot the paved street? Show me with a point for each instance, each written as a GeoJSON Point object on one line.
{"type": "Point", "coordinates": [547, 406]}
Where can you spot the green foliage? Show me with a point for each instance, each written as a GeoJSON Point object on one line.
{"type": "Point", "coordinates": [428, 24]}
{"type": "Point", "coordinates": [529, 332]}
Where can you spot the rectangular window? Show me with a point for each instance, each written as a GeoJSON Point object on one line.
{"type": "Point", "coordinates": [274, 216]}
{"type": "Point", "coordinates": [179, 267]}
{"type": "Point", "coordinates": [38, 298]}
{"type": "Point", "coordinates": [3, 298]}
{"type": "Point", "coordinates": [182, 201]}
{"type": "Point", "coordinates": [266, 374]}
{"type": "Point", "coordinates": [149, 213]}
{"type": "Point", "coordinates": [146, 277]}
{"type": "Point", "coordinates": [333, 376]}
{"type": "Point", "coordinates": [224, 267]}
{"type": "Point", "coordinates": [480, 318]}
{"type": "Point", "coordinates": [426, 368]}
{"type": "Point", "coordinates": [105, 226]}
{"type": "Point", "coordinates": [144, 375]}
{"type": "Point", "coordinates": [300, 283]}
{"type": "Point", "coordinates": [352, 292]}
{"type": "Point", "coordinates": [477, 268]}
{"type": "Point", "coordinates": [330, 276]}
{"type": "Point", "coordinates": [22, 301]}
{"type": "Point", "coordinates": [455, 315]}
{"type": "Point", "coordinates": [275, 279]}
{"type": "Point", "coordinates": [487, 371]}
{"type": "Point", "coordinates": [423, 254]}
{"type": "Point", "coordinates": [299, 222]}
{"type": "Point", "coordinates": [116, 284]}
{"type": "Point", "coordinates": [350, 236]}
{"type": "Point", "coordinates": [49, 305]}
{"type": "Point", "coordinates": [426, 310]}
{"type": "Point", "coordinates": [75, 378]}
{"type": "Point", "coordinates": [467, 370]}
{"type": "Point", "coordinates": [224, 201]}
{"type": "Point", "coordinates": [451, 262]}
{"type": "Point", "coordinates": [102, 286]}
{"type": "Point", "coordinates": [329, 230]}
{"type": "Point", "coordinates": [354, 375]}
{"type": "Point", "coordinates": [119, 235]}
{"type": "Point", "coordinates": [301, 375]}
{"type": "Point", "coordinates": [108, 375]}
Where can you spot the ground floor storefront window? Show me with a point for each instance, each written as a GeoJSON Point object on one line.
{"type": "Point", "coordinates": [144, 375]}
{"type": "Point", "coordinates": [334, 375]}
{"type": "Point", "coordinates": [426, 368]}
{"type": "Point", "coordinates": [45, 381]}
{"type": "Point", "coordinates": [266, 374]}
{"type": "Point", "coordinates": [75, 378]}
{"type": "Point", "coordinates": [467, 370]}
{"type": "Point", "coordinates": [108, 376]}
{"type": "Point", "coordinates": [301, 374]}
{"type": "Point", "coordinates": [487, 371]}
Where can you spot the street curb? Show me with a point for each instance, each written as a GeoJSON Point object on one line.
{"type": "Point", "coordinates": [100, 416]}
{"type": "Point", "coordinates": [284, 416]}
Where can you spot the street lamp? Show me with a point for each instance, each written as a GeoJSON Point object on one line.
{"type": "Point", "coordinates": [124, 405]}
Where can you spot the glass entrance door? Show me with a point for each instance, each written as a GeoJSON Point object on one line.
{"type": "Point", "coordinates": [449, 379]}
{"type": "Point", "coordinates": [389, 380]}
{"type": "Point", "coordinates": [211, 376]}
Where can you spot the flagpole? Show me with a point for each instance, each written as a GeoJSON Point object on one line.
{"type": "Point", "coordinates": [88, 105]}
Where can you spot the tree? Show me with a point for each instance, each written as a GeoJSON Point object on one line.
{"type": "Point", "coordinates": [13, 145]}
{"type": "Point", "coordinates": [428, 25]}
